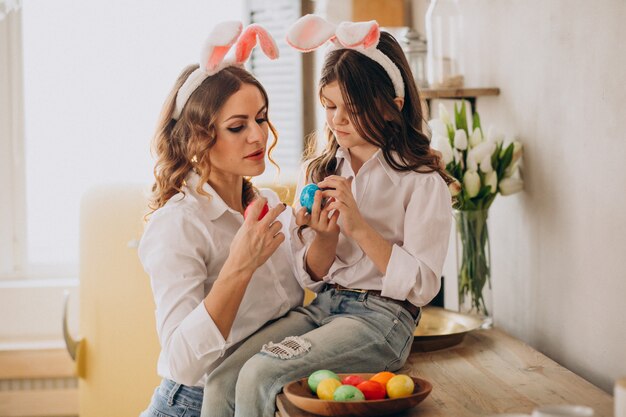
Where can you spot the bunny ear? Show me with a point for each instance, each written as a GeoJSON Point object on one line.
{"type": "Point", "coordinates": [309, 33]}
{"type": "Point", "coordinates": [364, 34]}
{"type": "Point", "coordinates": [248, 41]}
{"type": "Point", "coordinates": [219, 42]}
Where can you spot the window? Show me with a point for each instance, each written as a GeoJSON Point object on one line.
{"type": "Point", "coordinates": [81, 87]}
{"type": "Point", "coordinates": [94, 77]}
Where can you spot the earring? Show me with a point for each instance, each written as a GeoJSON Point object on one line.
{"type": "Point", "coordinates": [194, 159]}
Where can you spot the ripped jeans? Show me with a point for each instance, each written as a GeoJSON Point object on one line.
{"type": "Point", "coordinates": [344, 331]}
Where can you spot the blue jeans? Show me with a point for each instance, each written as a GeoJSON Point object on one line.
{"type": "Point", "coordinates": [348, 332]}
{"type": "Point", "coordinates": [174, 400]}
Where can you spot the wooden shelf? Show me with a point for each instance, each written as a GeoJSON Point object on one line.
{"type": "Point", "coordinates": [469, 94]}
{"type": "Point", "coordinates": [460, 93]}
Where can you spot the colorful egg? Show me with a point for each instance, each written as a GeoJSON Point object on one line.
{"type": "Point", "coordinates": [327, 388]}
{"type": "Point", "coordinates": [400, 386]}
{"type": "Point", "coordinates": [316, 377]}
{"type": "Point", "coordinates": [352, 380]}
{"type": "Point", "coordinates": [307, 196]}
{"type": "Point", "coordinates": [372, 390]}
{"type": "Point", "coordinates": [264, 211]}
{"type": "Point", "coordinates": [348, 393]}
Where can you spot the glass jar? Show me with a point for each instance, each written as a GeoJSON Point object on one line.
{"type": "Point", "coordinates": [444, 25]}
{"type": "Point", "coordinates": [414, 46]}
{"type": "Point", "coordinates": [473, 256]}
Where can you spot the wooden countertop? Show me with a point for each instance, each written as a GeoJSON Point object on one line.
{"type": "Point", "coordinates": [490, 372]}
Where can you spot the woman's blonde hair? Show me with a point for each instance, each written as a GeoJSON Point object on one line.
{"type": "Point", "coordinates": [182, 145]}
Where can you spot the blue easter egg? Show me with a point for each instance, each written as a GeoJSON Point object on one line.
{"type": "Point", "coordinates": [307, 196]}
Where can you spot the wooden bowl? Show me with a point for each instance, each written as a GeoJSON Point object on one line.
{"type": "Point", "coordinates": [300, 395]}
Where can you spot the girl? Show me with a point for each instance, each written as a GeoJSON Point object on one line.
{"type": "Point", "coordinates": [208, 266]}
{"type": "Point", "coordinates": [375, 251]}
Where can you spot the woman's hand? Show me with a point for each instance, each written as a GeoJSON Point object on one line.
{"type": "Point", "coordinates": [339, 191]}
{"type": "Point", "coordinates": [256, 240]}
{"type": "Point", "coordinates": [320, 220]}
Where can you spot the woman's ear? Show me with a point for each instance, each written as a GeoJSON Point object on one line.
{"type": "Point", "coordinates": [399, 102]}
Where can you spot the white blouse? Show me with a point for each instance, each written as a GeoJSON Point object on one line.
{"type": "Point", "coordinates": [411, 210]}
{"type": "Point", "coordinates": [183, 249]}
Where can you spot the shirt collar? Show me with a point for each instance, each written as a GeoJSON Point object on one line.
{"type": "Point", "coordinates": [394, 176]}
{"type": "Point", "coordinates": [214, 205]}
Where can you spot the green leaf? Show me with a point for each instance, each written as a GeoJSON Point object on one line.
{"type": "Point", "coordinates": [450, 134]}
{"type": "Point", "coordinates": [505, 160]}
{"type": "Point", "coordinates": [484, 191]}
{"type": "Point", "coordinates": [476, 123]}
{"type": "Point", "coordinates": [460, 117]}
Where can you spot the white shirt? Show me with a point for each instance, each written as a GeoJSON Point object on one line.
{"type": "Point", "coordinates": [183, 249]}
{"type": "Point", "coordinates": [411, 210]}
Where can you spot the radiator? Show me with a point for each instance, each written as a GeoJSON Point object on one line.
{"type": "Point", "coordinates": [37, 383]}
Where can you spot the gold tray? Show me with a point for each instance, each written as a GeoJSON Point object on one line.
{"type": "Point", "coordinates": [440, 328]}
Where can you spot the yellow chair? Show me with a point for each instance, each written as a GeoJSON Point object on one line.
{"type": "Point", "coordinates": [117, 355]}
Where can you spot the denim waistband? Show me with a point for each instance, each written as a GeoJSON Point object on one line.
{"type": "Point", "coordinates": [181, 394]}
{"type": "Point", "coordinates": [413, 310]}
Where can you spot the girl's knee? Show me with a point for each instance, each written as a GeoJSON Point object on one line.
{"type": "Point", "coordinates": [257, 370]}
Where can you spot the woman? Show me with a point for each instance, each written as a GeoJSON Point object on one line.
{"type": "Point", "coordinates": [216, 277]}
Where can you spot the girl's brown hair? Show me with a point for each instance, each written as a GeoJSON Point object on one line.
{"type": "Point", "coordinates": [184, 144]}
{"type": "Point", "coordinates": [369, 96]}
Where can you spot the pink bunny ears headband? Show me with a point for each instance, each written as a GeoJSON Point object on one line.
{"type": "Point", "coordinates": [311, 31]}
{"type": "Point", "coordinates": [215, 48]}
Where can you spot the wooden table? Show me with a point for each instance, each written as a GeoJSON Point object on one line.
{"type": "Point", "coordinates": [490, 372]}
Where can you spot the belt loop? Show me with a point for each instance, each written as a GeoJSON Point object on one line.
{"type": "Point", "coordinates": [363, 296]}
{"type": "Point", "coordinates": [172, 394]}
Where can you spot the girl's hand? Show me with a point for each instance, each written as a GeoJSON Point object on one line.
{"type": "Point", "coordinates": [339, 189]}
{"type": "Point", "coordinates": [256, 240]}
{"type": "Point", "coordinates": [319, 220]}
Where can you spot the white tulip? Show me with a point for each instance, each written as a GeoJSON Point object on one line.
{"type": "Point", "coordinates": [471, 182]}
{"type": "Point", "coordinates": [482, 150]}
{"type": "Point", "coordinates": [511, 170]}
{"type": "Point", "coordinates": [476, 138]}
{"type": "Point", "coordinates": [455, 188]}
{"type": "Point", "coordinates": [460, 140]}
{"type": "Point", "coordinates": [472, 164]}
{"type": "Point", "coordinates": [491, 179]}
{"type": "Point", "coordinates": [458, 156]}
{"type": "Point", "coordinates": [485, 165]}
{"type": "Point", "coordinates": [494, 136]}
{"type": "Point", "coordinates": [438, 127]}
{"type": "Point", "coordinates": [442, 144]}
{"type": "Point", "coordinates": [510, 186]}
{"type": "Point", "coordinates": [443, 114]}
{"type": "Point", "coordinates": [517, 152]}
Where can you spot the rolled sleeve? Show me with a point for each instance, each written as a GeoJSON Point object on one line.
{"type": "Point", "coordinates": [414, 268]}
{"type": "Point", "coordinates": [194, 345]}
{"type": "Point", "coordinates": [299, 250]}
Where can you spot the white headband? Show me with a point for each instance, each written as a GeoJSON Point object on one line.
{"type": "Point", "coordinates": [215, 48]}
{"type": "Point", "coordinates": [311, 31]}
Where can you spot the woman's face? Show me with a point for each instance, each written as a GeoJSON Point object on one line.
{"type": "Point", "coordinates": [338, 119]}
{"type": "Point", "coordinates": [242, 130]}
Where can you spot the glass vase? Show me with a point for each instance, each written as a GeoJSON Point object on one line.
{"type": "Point", "coordinates": [444, 26]}
{"type": "Point", "coordinates": [474, 264]}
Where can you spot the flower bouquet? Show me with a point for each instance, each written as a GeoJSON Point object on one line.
{"type": "Point", "coordinates": [482, 166]}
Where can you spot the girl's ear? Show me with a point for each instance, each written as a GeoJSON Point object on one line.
{"type": "Point", "coordinates": [399, 102]}
{"type": "Point", "coordinates": [248, 41]}
{"type": "Point", "coordinates": [219, 42]}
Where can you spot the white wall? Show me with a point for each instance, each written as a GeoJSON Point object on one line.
{"type": "Point", "coordinates": [558, 249]}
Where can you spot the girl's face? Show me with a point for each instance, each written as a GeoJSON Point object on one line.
{"type": "Point", "coordinates": [339, 122]}
{"type": "Point", "coordinates": [242, 130]}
